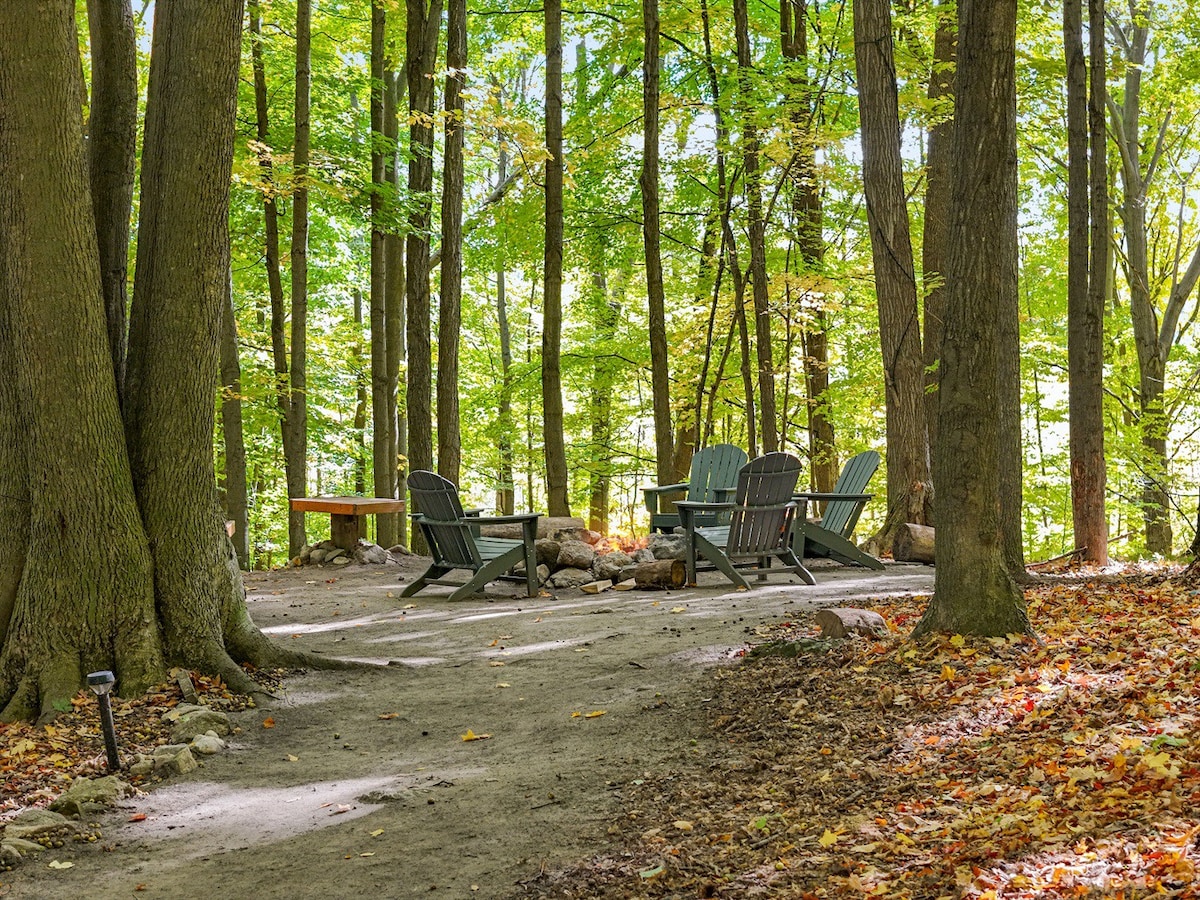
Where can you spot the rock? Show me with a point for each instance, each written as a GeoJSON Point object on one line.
{"type": "Point", "coordinates": [89, 793]}
{"type": "Point", "coordinates": [837, 623]}
{"type": "Point", "coordinates": [15, 849]}
{"type": "Point", "coordinates": [33, 822]}
{"type": "Point", "coordinates": [569, 578]}
{"type": "Point", "coordinates": [207, 744]}
{"type": "Point", "coordinates": [372, 554]}
{"type": "Point", "coordinates": [667, 546]}
{"type": "Point", "coordinates": [610, 565]}
{"type": "Point", "coordinates": [399, 550]}
{"type": "Point", "coordinates": [198, 722]}
{"type": "Point", "coordinates": [576, 555]}
{"type": "Point", "coordinates": [305, 554]}
{"type": "Point", "coordinates": [578, 533]}
{"type": "Point", "coordinates": [547, 551]}
{"type": "Point", "coordinates": [174, 759]}
{"type": "Point", "coordinates": [181, 710]}
{"type": "Point", "coordinates": [627, 585]}
{"type": "Point", "coordinates": [543, 574]}
{"type": "Point", "coordinates": [342, 561]}
{"type": "Point", "coordinates": [595, 587]}
{"type": "Point", "coordinates": [546, 527]}
{"type": "Point", "coordinates": [142, 766]}
{"type": "Point", "coordinates": [316, 557]}
{"type": "Point", "coordinates": [643, 555]}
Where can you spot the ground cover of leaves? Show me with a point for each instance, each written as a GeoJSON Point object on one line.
{"type": "Point", "coordinates": [1067, 766]}
{"type": "Point", "coordinates": [37, 763]}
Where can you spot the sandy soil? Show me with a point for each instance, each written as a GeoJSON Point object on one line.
{"type": "Point", "coordinates": [363, 785]}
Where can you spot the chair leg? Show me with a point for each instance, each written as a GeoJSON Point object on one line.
{"type": "Point", "coordinates": [789, 558]}
{"type": "Point", "coordinates": [489, 572]}
{"type": "Point", "coordinates": [717, 557]}
{"type": "Point", "coordinates": [428, 575]}
{"type": "Point", "coordinates": [821, 542]}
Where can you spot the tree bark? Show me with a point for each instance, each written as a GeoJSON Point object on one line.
{"type": "Point", "coordinates": [383, 438]}
{"type": "Point", "coordinates": [552, 398]}
{"type": "Point", "coordinates": [237, 502]}
{"type": "Point", "coordinates": [505, 475]}
{"type": "Point", "coordinates": [756, 227]}
{"type": "Point", "coordinates": [79, 606]}
{"type": "Point", "coordinates": [974, 592]}
{"type": "Point", "coordinates": [423, 25]}
{"type": "Point", "coordinates": [396, 314]}
{"type": "Point", "coordinates": [660, 382]}
{"type": "Point", "coordinates": [112, 154]}
{"type": "Point", "coordinates": [1085, 311]}
{"type": "Point", "coordinates": [450, 305]}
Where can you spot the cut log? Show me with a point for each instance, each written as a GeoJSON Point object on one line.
{"type": "Point", "coordinates": [595, 587]}
{"type": "Point", "coordinates": [913, 543]}
{"type": "Point", "coordinates": [662, 573]}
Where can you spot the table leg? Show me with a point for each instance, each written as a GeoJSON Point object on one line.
{"type": "Point", "coordinates": [346, 530]}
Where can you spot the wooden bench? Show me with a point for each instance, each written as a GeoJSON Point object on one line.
{"type": "Point", "coordinates": [347, 515]}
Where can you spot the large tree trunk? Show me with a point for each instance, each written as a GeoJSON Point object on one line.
{"type": "Point", "coordinates": [757, 234]}
{"type": "Point", "coordinates": [559, 503]}
{"type": "Point", "coordinates": [1085, 311]}
{"type": "Point", "coordinates": [88, 604]}
{"type": "Point", "coordinates": [974, 592]}
{"type": "Point", "coordinates": [891, 251]}
{"type": "Point", "coordinates": [395, 320]}
{"type": "Point", "coordinates": [450, 304]}
{"type": "Point", "coordinates": [660, 383]}
{"type": "Point", "coordinates": [112, 153]}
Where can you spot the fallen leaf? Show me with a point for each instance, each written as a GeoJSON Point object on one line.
{"type": "Point", "coordinates": [828, 839]}
{"type": "Point", "coordinates": [377, 832]}
{"type": "Point", "coordinates": [269, 722]}
{"type": "Point", "coordinates": [137, 817]}
{"type": "Point", "coordinates": [388, 715]}
{"type": "Point", "coordinates": [472, 736]}
{"type": "Point", "coordinates": [292, 758]}
{"type": "Point", "coordinates": [56, 864]}
{"type": "Point", "coordinates": [503, 684]}
{"type": "Point", "coordinates": [679, 609]}
{"type": "Point", "coordinates": [596, 713]}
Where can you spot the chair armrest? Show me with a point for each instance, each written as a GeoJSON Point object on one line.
{"type": "Point", "coordinates": [702, 505]}
{"type": "Point", "coordinates": [662, 488]}
{"type": "Point", "coordinates": [820, 496]}
{"type": "Point", "coordinates": [504, 520]}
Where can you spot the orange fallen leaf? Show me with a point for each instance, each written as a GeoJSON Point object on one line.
{"type": "Point", "coordinates": [388, 715]}
{"type": "Point", "coordinates": [138, 817]}
{"type": "Point", "coordinates": [269, 722]}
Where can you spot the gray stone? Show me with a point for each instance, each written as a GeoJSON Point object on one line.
{"type": "Point", "coordinates": [89, 792]}
{"type": "Point", "coordinates": [179, 711]}
{"type": "Point", "coordinates": [543, 574]}
{"type": "Point", "coordinates": [33, 822]}
{"type": "Point", "coordinates": [568, 578]}
{"type": "Point", "coordinates": [207, 744]}
{"type": "Point", "coordinates": [142, 766]}
{"type": "Point", "coordinates": [576, 555]}
{"type": "Point", "coordinates": [341, 561]}
{"type": "Point", "coordinates": [547, 551]}
{"type": "Point", "coordinates": [178, 763]}
{"type": "Point", "coordinates": [316, 557]}
{"type": "Point", "coordinates": [668, 546]}
{"type": "Point", "coordinates": [610, 565]}
{"type": "Point", "coordinates": [372, 555]}
{"type": "Point", "coordinates": [643, 555]}
{"type": "Point", "coordinates": [15, 849]}
{"type": "Point", "coordinates": [198, 722]}
{"type": "Point", "coordinates": [399, 550]}
{"type": "Point", "coordinates": [837, 623]}
{"type": "Point", "coordinates": [578, 533]}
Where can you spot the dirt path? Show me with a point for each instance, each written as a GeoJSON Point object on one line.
{"type": "Point", "coordinates": [364, 785]}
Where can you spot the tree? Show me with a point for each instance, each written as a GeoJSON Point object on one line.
{"type": "Point", "coordinates": [908, 475]}
{"type": "Point", "coordinates": [1085, 305]}
{"type": "Point", "coordinates": [163, 584]}
{"type": "Point", "coordinates": [974, 592]}
{"type": "Point", "coordinates": [450, 307]}
{"type": "Point", "coordinates": [659, 376]}
{"type": "Point", "coordinates": [552, 398]}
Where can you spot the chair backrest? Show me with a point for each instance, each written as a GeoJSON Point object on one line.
{"type": "Point", "coordinates": [762, 518]}
{"type": "Point", "coordinates": [714, 468]}
{"type": "Point", "coordinates": [842, 515]}
{"type": "Point", "coordinates": [450, 539]}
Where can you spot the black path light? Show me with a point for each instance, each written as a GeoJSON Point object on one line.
{"type": "Point", "coordinates": [101, 684]}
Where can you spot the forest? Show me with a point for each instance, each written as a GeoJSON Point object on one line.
{"type": "Point", "coordinates": [304, 248]}
{"type": "Point", "coordinates": [751, 314]}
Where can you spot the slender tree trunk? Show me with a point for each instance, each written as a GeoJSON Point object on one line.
{"type": "Point", "coordinates": [361, 401]}
{"type": "Point", "coordinates": [934, 248]}
{"type": "Point", "coordinates": [393, 246]}
{"type": "Point", "coordinates": [660, 381]}
{"type": "Point", "coordinates": [237, 502]}
{"type": "Point", "coordinates": [974, 592]}
{"type": "Point", "coordinates": [112, 153]}
{"type": "Point", "coordinates": [383, 447]}
{"type": "Point", "coordinates": [757, 233]}
{"type": "Point", "coordinates": [1085, 320]}
{"type": "Point", "coordinates": [891, 250]}
{"type": "Point", "coordinates": [552, 398]}
{"type": "Point", "coordinates": [423, 25]}
{"type": "Point", "coordinates": [450, 306]}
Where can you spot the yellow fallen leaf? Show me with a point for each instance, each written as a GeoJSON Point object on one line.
{"type": "Point", "coordinates": [472, 736]}
{"type": "Point", "coordinates": [958, 641]}
{"type": "Point", "coordinates": [503, 684]}
{"type": "Point", "coordinates": [372, 853]}
{"type": "Point", "coordinates": [292, 758]}
{"type": "Point", "coordinates": [828, 839]}
{"type": "Point", "coordinates": [948, 673]}
{"type": "Point", "coordinates": [410, 606]}
{"type": "Point", "coordinates": [576, 714]}
{"type": "Point", "coordinates": [679, 609]}
{"type": "Point", "coordinates": [495, 664]}
{"type": "Point", "coordinates": [683, 825]}
{"type": "Point", "coordinates": [596, 713]}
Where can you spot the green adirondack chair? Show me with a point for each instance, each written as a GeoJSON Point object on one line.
{"type": "Point", "coordinates": [831, 535]}
{"type": "Point", "coordinates": [761, 518]}
{"type": "Point", "coordinates": [455, 542]}
{"type": "Point", "coordinates": [712, 478]}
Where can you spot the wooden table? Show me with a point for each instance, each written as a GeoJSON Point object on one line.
{"type": "Point", "coordinates": [347, 515]}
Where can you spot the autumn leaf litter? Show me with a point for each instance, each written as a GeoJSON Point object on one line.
{"type": "Point", "coordinates": [1066, 766]}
